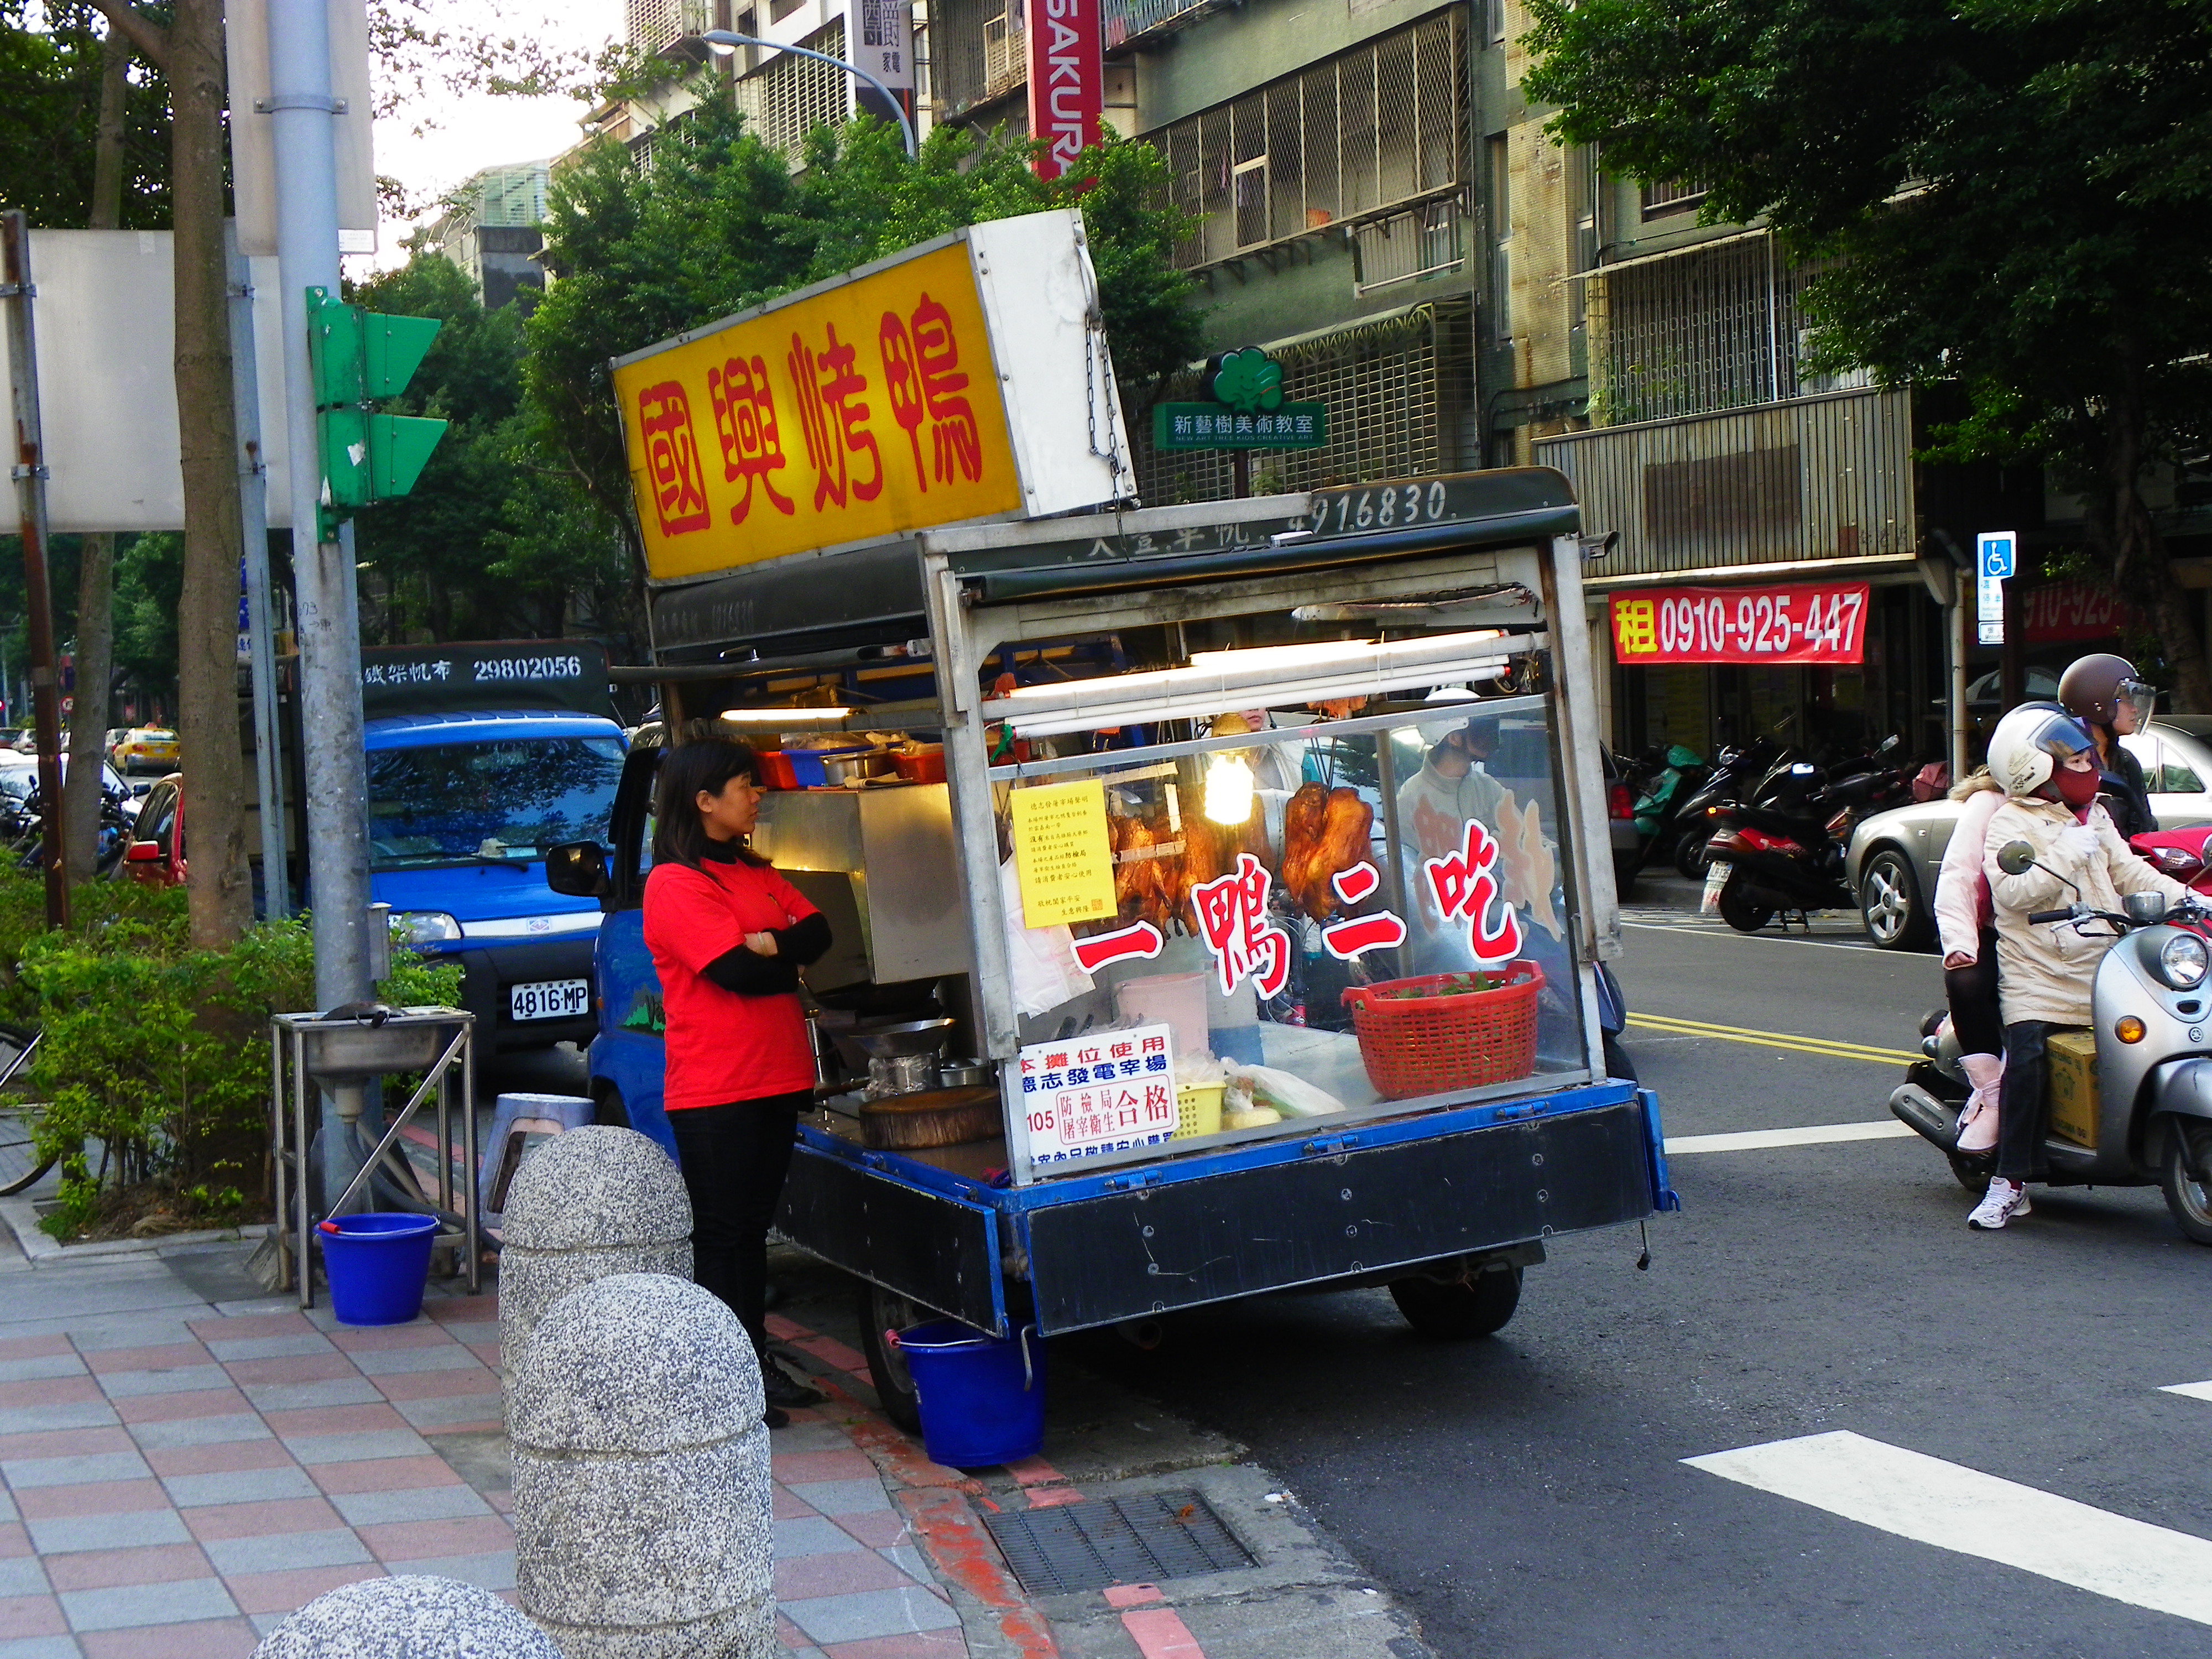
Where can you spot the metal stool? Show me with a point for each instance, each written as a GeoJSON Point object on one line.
{"type": "Point", "coordinates": [514, 1120]}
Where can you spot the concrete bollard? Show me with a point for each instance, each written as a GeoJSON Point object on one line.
{"type": "Point", "coordinates": [416, 1617]}
{"type": "Point", "coordinates": [593, 1201]}
{"type": "Point", "coordinates": [642, 1512]}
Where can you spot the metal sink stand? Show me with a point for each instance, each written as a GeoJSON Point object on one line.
{"type": "Point", "coordinates": [307, 1050]}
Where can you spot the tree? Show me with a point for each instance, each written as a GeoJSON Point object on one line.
{"type": "Point", "coordinates": [2014, 193]}
{"type": "Point", "coordinates": [717, 223]}
{"type": "Point", "coordinates": [49, 120]}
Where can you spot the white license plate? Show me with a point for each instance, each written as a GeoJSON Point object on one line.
{"type": "Point", "coordinates": [550, 999]}
{"type": "Point", "coordinates": [1716, 877]}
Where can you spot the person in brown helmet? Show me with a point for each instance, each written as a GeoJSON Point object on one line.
{"type": "Point", "coordinates": [2103, 692]}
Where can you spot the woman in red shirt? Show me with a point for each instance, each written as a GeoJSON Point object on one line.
{"type": "Point", "coordinates": [728, 936]}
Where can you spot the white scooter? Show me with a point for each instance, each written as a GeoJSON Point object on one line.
{"type": "Point", "coordinates": [2151, 1124]}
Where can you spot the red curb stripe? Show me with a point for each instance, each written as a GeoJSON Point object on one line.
{"type": "Point", "coordinates": [1133, 1596]}
{"type": "Point", "coordinates": [961, 1550]}
{"type": "Point", "coordinates": [1160, 1633]}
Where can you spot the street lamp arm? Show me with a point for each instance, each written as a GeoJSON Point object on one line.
{"type": "Point", "coordinates": [727, 38]}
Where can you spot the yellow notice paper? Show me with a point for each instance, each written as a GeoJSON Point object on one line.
{"type": "Point", "coordinates": [1062, 854]}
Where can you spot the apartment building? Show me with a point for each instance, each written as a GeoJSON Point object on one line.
{"type": "Point", "coordinates": [490, 229]}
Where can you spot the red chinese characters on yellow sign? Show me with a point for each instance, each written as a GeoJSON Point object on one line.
{"type": "Point", "coordinates": [867, 410]}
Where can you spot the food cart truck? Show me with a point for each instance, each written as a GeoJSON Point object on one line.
{"type": "Point", "coordinates": [1218, 890]}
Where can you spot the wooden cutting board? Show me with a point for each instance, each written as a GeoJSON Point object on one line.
{"type": "Point", "coordinates": [935, 1117]}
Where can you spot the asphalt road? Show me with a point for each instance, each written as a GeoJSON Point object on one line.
{"type": "Point", "coordinates": [1525, 1494]}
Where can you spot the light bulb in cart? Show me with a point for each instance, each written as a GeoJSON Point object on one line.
{"type": "Point", "coordinates": [1228, 789]}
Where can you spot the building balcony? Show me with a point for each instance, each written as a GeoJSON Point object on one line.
{"type": "Point", "coordinates": [1125, 21]}
{"type": "Point", "coordinates": [1807, 481]}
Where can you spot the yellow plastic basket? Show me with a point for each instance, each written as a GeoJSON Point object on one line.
{"type": "Point", "coordinates": [1198, 1110]}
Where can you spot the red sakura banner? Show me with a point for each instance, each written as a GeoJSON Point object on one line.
{"type": "Point", "coordinates": [1067, 80]}
{"type": "Point", "coordinates": [1799, 623]}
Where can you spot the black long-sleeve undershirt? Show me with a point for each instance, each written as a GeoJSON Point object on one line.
{"type": "Point", "coordinates": [747, 974]}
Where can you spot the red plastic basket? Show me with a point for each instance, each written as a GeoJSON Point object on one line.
{"type": "Point", "coordinates": [1429, 1045]}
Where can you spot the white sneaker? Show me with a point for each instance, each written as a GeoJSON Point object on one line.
{"type": "Point", "coordinates": [2005, 1202]}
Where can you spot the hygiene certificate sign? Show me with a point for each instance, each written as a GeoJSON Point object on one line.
{"type": "Point", "coordinates": [1063, 856]}
{"type": "Point", "coordinates": [1104, 1092]}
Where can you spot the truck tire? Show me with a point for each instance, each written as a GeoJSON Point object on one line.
{"type": "Point", "coordinates": [878, 1311]}
{"type": "Point", "coordinates": [1453, 1313]}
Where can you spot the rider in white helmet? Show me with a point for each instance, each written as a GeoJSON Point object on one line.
{"type": "Point", "coordinates": [2046, 764]}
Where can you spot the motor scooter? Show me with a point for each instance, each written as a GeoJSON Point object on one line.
{"type": "Point", "coordinates": [1788, 857]}
{"type": "Point", "coordinates": [2151, 1125]}
{"type": "Point", "coordinates": [1669, 779]}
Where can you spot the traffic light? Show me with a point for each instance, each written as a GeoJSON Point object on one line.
{"type": "Point", "coordinates": [358, 357]}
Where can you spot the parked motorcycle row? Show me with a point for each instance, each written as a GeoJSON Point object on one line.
{"type": "Point", "coordinates": [22, 830]}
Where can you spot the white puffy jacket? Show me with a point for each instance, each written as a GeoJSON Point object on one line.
{"type": "Point", "coordinates": [2047, 972]}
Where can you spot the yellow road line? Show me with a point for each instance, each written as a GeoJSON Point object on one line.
{"type": "Point", "coordinates": [1821, 1046]}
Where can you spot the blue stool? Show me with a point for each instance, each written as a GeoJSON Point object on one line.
{"type": "Point", "coordinates": [513, 1120]}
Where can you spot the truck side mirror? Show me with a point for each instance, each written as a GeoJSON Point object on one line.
{"type": "Point", "coordinates": [579, 869]}
{"type": "Point", "coordinates": [2144, 908]}
{"type": "Point", "coordinates": [2015, 857]}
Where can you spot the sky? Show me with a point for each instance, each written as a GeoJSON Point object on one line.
{"type": "Point", "coordinates": [469, 134]}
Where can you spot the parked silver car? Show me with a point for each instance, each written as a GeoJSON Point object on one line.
{"type": "Point", "coordinates": [1894, 857]}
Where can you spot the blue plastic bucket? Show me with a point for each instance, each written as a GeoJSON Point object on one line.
{"type": "Point", "coordinates": [981, 1399]}
{"type": "Point", "coordinates": [378, 1265]}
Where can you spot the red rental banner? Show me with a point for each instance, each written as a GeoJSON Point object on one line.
{"type": "Point", "coordinates": [1800, 622]}
{"type": "Point", "coordinates": [1067, 80]}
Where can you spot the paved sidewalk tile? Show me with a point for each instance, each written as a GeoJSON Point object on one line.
{"type": "Point", "coordinates": [286, 1593]}
{"type": "Point", "coordinates": [422, 1336]}
{"type": "Point", "coordinates": [200, 1430]}
{"type": "Point", "coordinates": [15, 1541]}
{"type": "Point", "coordinates": [443, 1354]}
{"type": "Point", "coordinates": [336, 1546]}
{"type": "Point", "coordinates": [166, 1356]}
{"type": "Point", "coordinates": [39, 1647]}
{"type": "Point", "coordinates": [222, 1400]}
{"type": "Point", "coordinates": [877, 1528]}
{"type": "Point", "coordinates": [31, 1615]}
{"type": "Point", "coordinates": [69, 1414]}
{"type": "Point", "coordinates": [74, 1471]}
{"type": "Point", "coordinates": [444, 1383]}
{"type": "Point", "coordinates": [412, 1541]}
{"type": "Point", "coordinates": [494, 1569]}
{"type": "Point", "coordinates": [225, 1638]}
{"type": "Point", "coordinates": [229, 1487]}
{"type": "Point", "coordinates": [23, 1576]}
{"type": "Point", "coordinates": [104, 1532]}
{"type": "Point", "coordinates": [229, 1349]}
{"type": "Point", "coordinates": [292, 1398]}
{"type": "Point", "coordinates": [872, 1612]}
{"type": "Point", "coordinates": [370, 1509]}
{"type": "Point", "coordinates": [468, 1411]}
{"type": "Point", "coordinates": [811, 1534]}
{"type": "Point", "coordinates": [386, 1475]}
{"type": "Point", "coordinates": [259, 1519]}
{"type": "Point", "coordinates": [809, 1468]}
{"type": "Point", "coordinates": [345, 1417]}
{"type": "Point", "coordinates": [321, 1366]}
{"type": "Point", "coordinates": [33, 1366]}
{"type": "Point", "coordinates": [357, 1447]}
{"type": "Point", "coordinates": [806, 1578]}
{"type": "Point", "coordinates": [180, 1379]}
{"type": "Point", "coordinates": [148, 1604]}
{"type": "Point", "coordinates": [104, 1568]}
{"type": "Point", "coordinates": [101, 1497]}
{"type": "Point", "coordinates": [946, 1643]}
{"type": "Point", "coordinates": [78, 1386]}
{"type": "Point", "coordinates": [221, 1456]}
{"type": "Point", "coordinates": [845, 1496]}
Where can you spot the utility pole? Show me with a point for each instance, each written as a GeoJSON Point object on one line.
{"type": "Point", "coordinates": [29, 469]}
{"type": "Point", "coordinates": [301, 109]}
{"type": "Point", "coordinates": [302, 114]}
{"type": "Point", "coordinates": [261, 626]}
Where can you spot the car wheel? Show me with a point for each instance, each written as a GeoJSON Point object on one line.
{"type": "Point", "coordinates": [1890, 903]}
{"type": "Point", "coordinates": [1453, 1313]}
{"type": "Point", "coordinates": [1690, 858]}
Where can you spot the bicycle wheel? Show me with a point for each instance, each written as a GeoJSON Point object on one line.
{"type": "Point", "coordinates": [21, 1166]}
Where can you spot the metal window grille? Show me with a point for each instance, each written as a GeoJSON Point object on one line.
{"type": "Point", "coordinates": [513, 195]}
{"type": "Point", "coordinates": [1714, 328]}
{"type": "Point", "coordinates": [790, 96]}
{"type": "Point", "coordinates": [1431, 239]}
{"type": "Point", "coordinates": [1673, 196]}
{"type": "Point", "coordinates": [1398, 393]}
{"type": "Point", "coordinates": [653, 25]}
{"type": "Point", "coordinates": [1125, 20]}
{"type": "Point", "coordinates": [978, 51]}
{"type": "Point", "coordinates": [1373, 130]}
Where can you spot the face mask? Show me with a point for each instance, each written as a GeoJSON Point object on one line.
{"type": "Point", "coordinates": [2075, 788]}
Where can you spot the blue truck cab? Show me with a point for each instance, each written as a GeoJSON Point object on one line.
{"type": "Point", "coordinates": [481, 756]}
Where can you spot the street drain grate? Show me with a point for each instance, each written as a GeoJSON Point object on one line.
{"type": "Point", "coordinates": [1138, 1539]}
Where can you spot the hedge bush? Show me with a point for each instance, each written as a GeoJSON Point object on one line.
{"type": "Point", "coordinates": [154, 1066]}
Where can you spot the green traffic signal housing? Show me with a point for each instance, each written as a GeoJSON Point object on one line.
{"type": "Point", "coordinates": [355, 357]}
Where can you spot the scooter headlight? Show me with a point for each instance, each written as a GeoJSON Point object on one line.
{"type": "Point", "coordinates": [2182, 961]}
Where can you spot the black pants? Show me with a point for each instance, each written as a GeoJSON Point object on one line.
{"type": "Point", "coordinates": [734, 1158]}
{"type": "Point", "coordinates": [2022, 1108]}
{"type": "Point", "coordinates": [1972, 994]}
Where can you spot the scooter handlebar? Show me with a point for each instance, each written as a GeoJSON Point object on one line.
{"type": "Point", "coordinates": [2037, 918]}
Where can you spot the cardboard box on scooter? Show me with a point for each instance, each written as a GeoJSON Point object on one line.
{"type": "Point", "coordinates": [2073, 1086]}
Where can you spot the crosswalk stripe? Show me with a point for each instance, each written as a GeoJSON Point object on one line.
{"type": "Point", "coordinates": [1830, 1047]}
{"type": "Point", "coordinates": [1811, 1135]}
{"type": "Point", "coordinates": [1932, 1502]}
{"type": "Point", "coordinates": [2193, 1390]}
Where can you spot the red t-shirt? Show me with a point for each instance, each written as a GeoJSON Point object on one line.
{"type": "Point", "coordinates": [722, 1047]}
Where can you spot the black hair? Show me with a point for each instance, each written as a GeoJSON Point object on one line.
{"type": "Point", "coordinates": [708, 763]}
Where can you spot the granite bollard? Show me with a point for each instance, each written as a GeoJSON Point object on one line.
{"type": "Point", "coordinates": [415, 1617]}
{"type": "Point", "coordinates": [642, 1517]}
{"type": "Point", "coordinates": [593, 1201]}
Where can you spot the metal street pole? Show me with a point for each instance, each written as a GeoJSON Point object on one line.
{"type": "Point", "coordinates": [300, 110]}
{"type": "Point", "coordinates": [723, 41]}
{"type": "Point", "coordinates": [260, 614]}
{"type": "Point", "coordinates": [29, 469]}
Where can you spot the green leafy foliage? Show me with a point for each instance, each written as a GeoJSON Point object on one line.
{"type": "Point", "coordinates": [1248, 381]}
{"type": "Point", "coordinates": [2010, 194]}
{"type": "Point", "coordinates": [154, 1062]}
{"type": "Point", "coordinates": [50, 65]}
{"type": "Point", "coordinates": [715, 223]}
